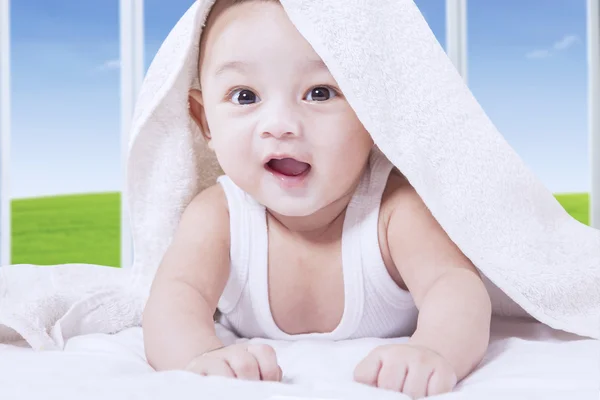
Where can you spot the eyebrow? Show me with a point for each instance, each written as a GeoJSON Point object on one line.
{"type": "Point", "coordinates": [232, 66]}
{"type": "Point", "coordinates": [242, 66]}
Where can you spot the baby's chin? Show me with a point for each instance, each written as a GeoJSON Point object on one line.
{"type": "Point", "coordinates": [296, 208]}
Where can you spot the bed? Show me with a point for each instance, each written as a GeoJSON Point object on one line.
{"type": "Point", "coordinates": [525, 360]}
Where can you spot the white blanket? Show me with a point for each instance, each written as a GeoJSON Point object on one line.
{"type": "Point", "coordinates": [535, 363]}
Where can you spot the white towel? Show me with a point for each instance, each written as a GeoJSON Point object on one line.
{"type": "Point", "coordinates": [408, 95]}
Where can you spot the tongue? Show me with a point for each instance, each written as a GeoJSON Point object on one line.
{"type": "Point", "coordinates": [288, 166]}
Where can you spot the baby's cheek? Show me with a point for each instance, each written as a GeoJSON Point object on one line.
{"type": "Point", "coordinates": [233, 155]}
{"type": "Point", "coordinates": [350, 158]}
{"type": "Point", "coordinates": [353, 150]}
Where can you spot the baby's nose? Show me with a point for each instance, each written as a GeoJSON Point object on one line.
{"type": "Point", "coordinates": [280, 122]}
{"type": "Point", "coordinates": [280, 129]}
{"type": "Point", "coordinates": [278, 134]}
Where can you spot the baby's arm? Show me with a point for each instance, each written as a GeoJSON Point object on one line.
{"type": "Point", "coordinates": [454, 305]}
{"type": "Point", "coordinates": [178, 319]}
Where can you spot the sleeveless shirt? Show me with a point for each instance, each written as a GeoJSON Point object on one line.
{"type": "Point", "coordinates": [374, 305]}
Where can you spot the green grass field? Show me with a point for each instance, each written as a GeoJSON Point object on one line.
{"type": "Point", "coordinates": [85, 228]}
{"type": "Point", "coordinates": [67, 229]}
{"type": "Point", "coordinates": [577, 205]}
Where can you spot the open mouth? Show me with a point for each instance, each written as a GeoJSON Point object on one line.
{"type": "Point", "coordinates": [288, 167]}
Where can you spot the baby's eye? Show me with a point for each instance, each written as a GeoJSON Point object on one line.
{"type": "Point", "coordinates": [244, 96]}
{"type": "Point", "coordinates": [321, 93]}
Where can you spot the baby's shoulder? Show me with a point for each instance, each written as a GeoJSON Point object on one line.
{"type": "Point", "coordinates": [210, 202]}
{"type": "Point", "coordinates": [398, 194]}
{"type": "Point", "coordinates": [403, 212]}
{"type": "Point", "coordinates": [202, 228]}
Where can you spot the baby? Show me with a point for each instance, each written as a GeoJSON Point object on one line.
{"type": "Point", "coordinates": [311, 232]}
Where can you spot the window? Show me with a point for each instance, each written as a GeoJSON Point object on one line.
{"type": "Point", "coordinates": [434, 12]}
{"type": "Point", "coordinates": [159, 18]}
{"type": "Point", "coordinates": [528, 69]}
{"type": "Point", "coordinates": [65, 167]}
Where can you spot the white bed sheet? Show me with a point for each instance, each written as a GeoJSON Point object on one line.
{"type": "Point", "coordinates": [526, 360]}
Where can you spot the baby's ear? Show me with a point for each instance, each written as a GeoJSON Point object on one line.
{"type": "Point", "coordinates": [198, 114]}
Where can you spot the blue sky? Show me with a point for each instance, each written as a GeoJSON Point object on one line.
{"type": "Point", "coordinates": [527, 67]}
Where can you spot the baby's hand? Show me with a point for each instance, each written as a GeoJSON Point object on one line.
{"type": "Point", "coordinates": [243, 361]}
{"type": "Point", "coordinates": [414, 370]}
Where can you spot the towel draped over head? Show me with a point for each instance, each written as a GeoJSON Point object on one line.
{"type": "Point", "coordinates": [536, 259]}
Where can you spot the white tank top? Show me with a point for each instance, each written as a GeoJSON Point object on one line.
{"type": "Point", "coordinates": [374, 305]}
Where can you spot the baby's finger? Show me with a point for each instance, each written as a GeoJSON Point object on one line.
{"type": "Point", "coordinates": [417, 378]}
{"type": "Point", "coordinates": [244, 365]}
{"type": "Point", "coordinates": [367, 370]}
{"type": "Point", "coordinates": [441, 382]}
{"type": "Point", "coordinates": [392, 376]}
{"type": "Point", "coordinates": [267, 362]}
{"type": "Point", "coordinates": [219, 367]}
{"type": "Point", "coordinates": [214, 366]}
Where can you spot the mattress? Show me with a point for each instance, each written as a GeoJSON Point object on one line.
{"type": "Point", "coordinates": [525, 360]}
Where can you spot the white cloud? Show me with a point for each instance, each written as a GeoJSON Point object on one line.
{"type": "Point", "coordinates": [109, 65]}
{"type": "Point", "coordinates": [566, 42]}
{"type": "Point", "coordinates": [542, 53]}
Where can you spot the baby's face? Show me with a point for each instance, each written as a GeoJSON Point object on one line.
{"type": "Point", "coordinates": [273, 114]}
